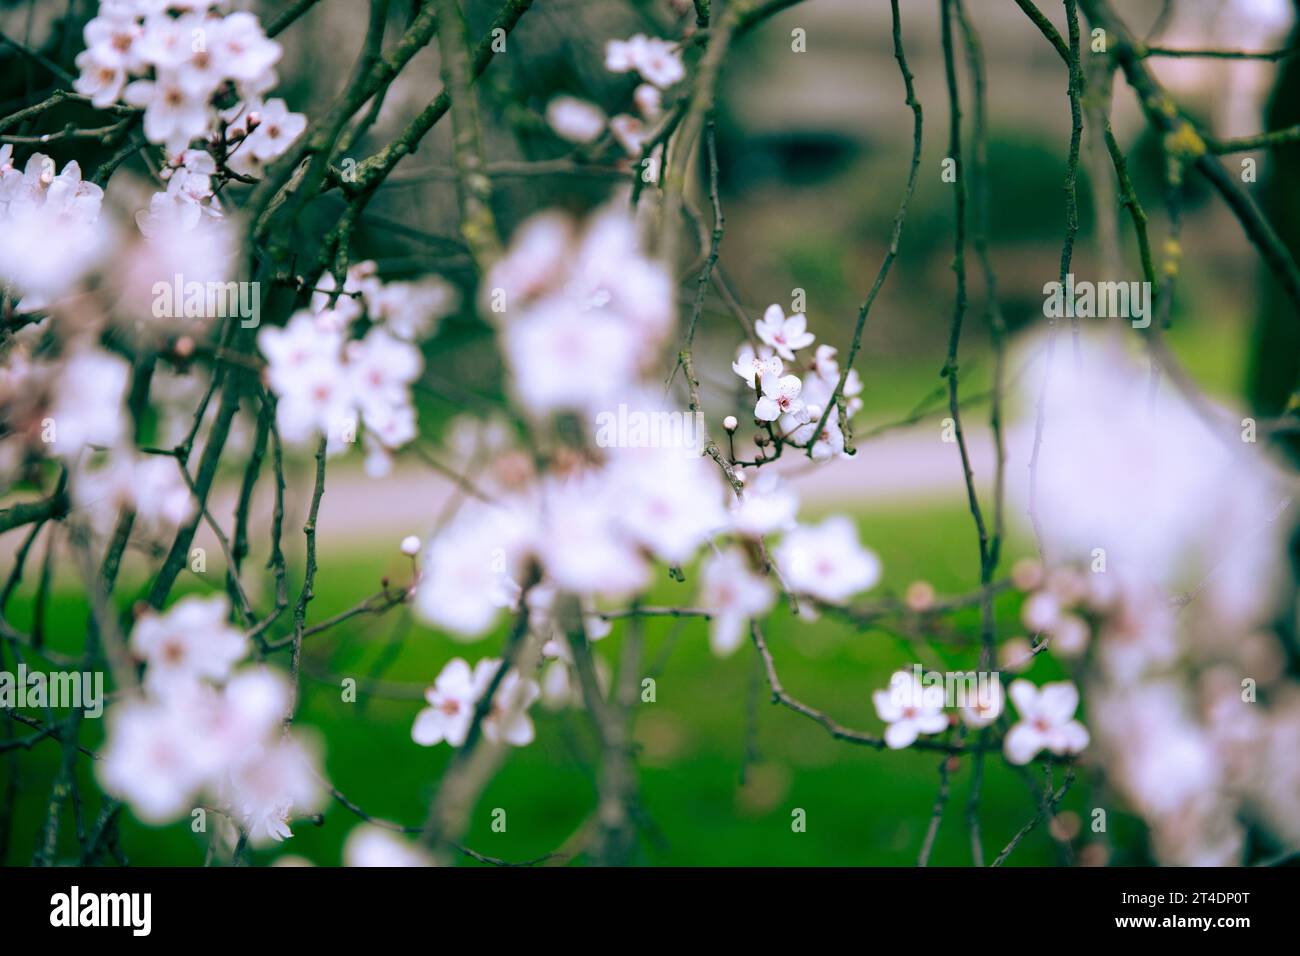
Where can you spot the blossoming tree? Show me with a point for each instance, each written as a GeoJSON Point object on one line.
{"type": "Point", "coordinates": [122, 420]}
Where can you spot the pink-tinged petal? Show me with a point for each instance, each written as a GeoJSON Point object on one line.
{"type": "Point", "coordinates": [773, 316]}
{"type": "Point", "coordinates": [1058, 702]}
{"type": "Point", "coordinates": [139, 94]}
{"type": "Point", "coordinates": [1071, 739]}
{"type": "Point", "coordinates": [519, 731]}
{"type": "Point", "coordinates": [796, 325]}
{"type": "Point", "coordinates": [789, 386]}
{"type": "Point", "coordinates": [1022, 743]}
{"type": "Point", "coordinates": [428, 728]}
{"type": "Point", "coordinates": [932, 723]}
{"type": "Point", "coordinates": [767, 410]}
{"type": "Point", "coordinates": [726, 634]}
{"type": "Point", "coordinates": [1024, 695]}
{"type": "Point", "coordinates": [455, 676]}
{"type": "Point", "coordinates": [900, 734]}
{"type": "Point", "coordinates": [887, 706]}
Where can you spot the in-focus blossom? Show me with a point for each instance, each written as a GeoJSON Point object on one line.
{"type": "Point", "coordinates": [173, 114]}
{"type": "Point", "coordinates": [1046, 721]}
{"type": "Point", "coordinates": [454, 697]}
{"type": "Point", "coordinates": [785, 335]}
{"type": "Point", "coordinates": [781, 397]}
{"type": "Point", "coordinates": [910, 709]}
{"type": "Point", "coordinates": [754, 366]}
{"type": "Point", "coordinates": [275, 132]}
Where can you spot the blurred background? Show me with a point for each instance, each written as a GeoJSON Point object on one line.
{"type": "Point", "coordinates": [813, 149]}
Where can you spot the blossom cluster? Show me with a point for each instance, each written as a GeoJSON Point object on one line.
{"type": "Point", "coordinates": [911, 708]}
{"type": "Point", "coordinates": [658, 62]}
{"type": "Point", "coordinates": [60, 207]}
{"type": "Point", "coordinates": [455, 695]}
{"type": "Point", "coordinates": [790, 406]}
{"type": "Point", "coordinates": [203, 729]}
{"type": "Point", "coordinates": [198, 75]}
{"type": "Point", "coordinates": [329, 376]}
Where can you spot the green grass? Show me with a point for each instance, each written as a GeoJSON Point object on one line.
{"type": "Point", "coordinates": [862, 807]}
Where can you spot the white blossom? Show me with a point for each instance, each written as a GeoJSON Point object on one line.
{"type": "Point", "coordinates": [1046, 721]}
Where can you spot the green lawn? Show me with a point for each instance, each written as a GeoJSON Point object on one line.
{"type": "Point", "coordinates": [862, 807]}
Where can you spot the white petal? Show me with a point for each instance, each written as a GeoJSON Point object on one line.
{"type": "Point", "coordinates": [900, 734]}
{"type": "Point", "coordinates": [428, 727]}
{"type": "Point", "coordinates": [1022, 743]}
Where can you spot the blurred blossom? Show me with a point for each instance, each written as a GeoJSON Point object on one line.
{"type": "Point", "coordinates": [734, 594]}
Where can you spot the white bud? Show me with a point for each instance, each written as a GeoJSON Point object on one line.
{"type": "Point", "coordinates": [410, 545]}
{"type": "Point", "coordinates": [730, 423]}
{"type": "Point", "coordinates": [815, 412]}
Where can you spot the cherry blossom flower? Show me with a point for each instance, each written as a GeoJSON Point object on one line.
{"type": "Point", "coordinates": [1046, 721]}
{"type": "Point", "coordinates": [468, 568]}
{"type": "Point", "coordinates": [580, 314]}
{"type": "Point", "coordinates": [826, 561]}
{"type": "Point", "coordinates": [270, 788]}
{"type": "Point", "coordinates": [563, 358]}
{"type": "Point", "coordinates": [151, 486]}
{"type": "Point", "coordinates": [101, 80]}
{"type": "Point", "coordinates": [753, 366]}
{"type": "Point", "coordinates": [411, 310]}
{"type": "Point", "coordinates": [769, 506]}
{"type": "Point", "coordinates": [369, 845]}
{"type": "Point", "coordinates": [630, 132]}
{"type": "Point", "coordinates": [910, 709]}
{"type": "Point", "coordinates": [154, 759]}
{"type": "Point", "coordinates": [656, 60]}
{"type": "Point", "coordinates": [575, 120]}
{"type": "Point", "coordinates": [276, 130]}
{"type": "Point", "coordinates": [190, 642]}
{"type": "Point", "coordinates": [786, 335]}
{"type": "Point", "coordinates": [173, 114]}
{"type": "Point", "coordinates": [734, 594]}
{"type": "Point", "coordinates": [579, 545]}
{"type": "Point", "coordinates": [112, 37]}
{"type": "Point", "coordinates": [986, 705]}
{"type": "Point", "coordinates": [88, 408]}
{"type": "Point", "coordinates": [672, 502]}
{"type": "Point", "coordinates": [454, 696]}
{"type": "Point", "coordinates": [64, 211]}
{"type": "Point", "coordinates": [242, 48]}
{"type": "Point", "coordinates": [781, 397]}
{"type": "Point", "coordinates": [382, 369]}
{"type": "Point", "coordinates": [649, 100]}
{"type": "Point", "coordinates": [507, 720]}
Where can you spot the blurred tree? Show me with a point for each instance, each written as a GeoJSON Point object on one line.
{"type": "Point", "coordinates": [1274, 369]}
